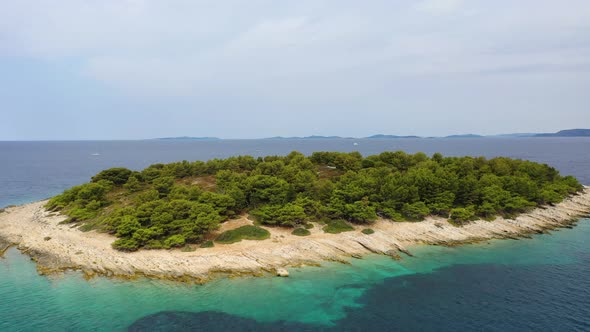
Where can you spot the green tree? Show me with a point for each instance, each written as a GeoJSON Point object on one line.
{"type": "Point", "coordinates": [462, 215]}
{"type": "Point", "coordinates": [128, 226]}
{"type": "Point", "coordinates": [163, 185]}
{"type": "Point", "coordinates": [174, 241]}
{"type": "Point", "coordinates": [117, 175]}
{"type": "Point", "coordinates": [133, 184]}
{"type": "Point", "coordinates": [125, 244]}
{"type": "Point", "coordinates": [415, 211]}
{"type": "Point", "coordinates": [360, 212]}
{"type": "Point", "coordinates": [267, 189]}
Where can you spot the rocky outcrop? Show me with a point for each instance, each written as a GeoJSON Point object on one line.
{"type": "Point", "coordinates": [282, 273]}
{"type": "Point", "coordinates": [4, 245]}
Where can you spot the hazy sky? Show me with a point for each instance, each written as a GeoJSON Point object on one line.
{"type": "Point", "coordinates": [82, 69]}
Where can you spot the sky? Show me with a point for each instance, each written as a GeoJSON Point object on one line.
{"type": "Point", "coordinates": [133, 69]}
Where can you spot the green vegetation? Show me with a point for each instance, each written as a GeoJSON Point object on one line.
{"type": "Point", "coordinates": [177, 204]}
{"type": "Point", "coordinates": [188, 248]}
{"type": "Point", "coordinates": [207, 244]}
{"type": "Point", "coordinates": [337, 226]}
{"type": "Point", "coordinates": [462, 215]}
{"type": "Point", "coordinates": [368, 231]}
{"type": "Point", "coordinates": [301, 232]}
{"type": "Point", "coordinates": [248, 232]}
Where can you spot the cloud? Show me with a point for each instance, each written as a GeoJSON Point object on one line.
{"type": "Point", "coordinates": [439, 6]}
{"type": "Point", "coordinates": [190, 41]}
{"type": "Point", "coordinates": [312, 55]}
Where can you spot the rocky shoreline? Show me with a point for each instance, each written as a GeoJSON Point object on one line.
{"type": "Point", "coordinates": [56, 247]}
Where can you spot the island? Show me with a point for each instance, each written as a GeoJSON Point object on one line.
{"type": "Point", "coordinates": [193, 221]}
{"type": "Point", "coordinates": [188, 138]}
{"type": "Point", "coordinates": [567, 133]}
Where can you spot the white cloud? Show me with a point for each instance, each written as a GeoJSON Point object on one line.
{"type": "Point", "coordinates": [439, 6]}
{"type": "Point", "coordinates": [301, 50]}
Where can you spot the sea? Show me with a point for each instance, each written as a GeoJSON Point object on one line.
{"type": "Point", "coordinates": [538, 284]}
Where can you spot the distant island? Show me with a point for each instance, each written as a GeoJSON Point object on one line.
{"type": "Point", "coordinates": [561, 133]}
{"type": "Point", "coordinates": [464, 136]}
{"type": "Point", "coordinates": [313, 137]}
{"type": "Point", "coordinates": [193, 220]}
{"type": "Point", "coordinates": [567, 133]}
{"type": "Point", "coordinates": [188, 138]}
{"type": "Point", "coordinates": [382, 136]}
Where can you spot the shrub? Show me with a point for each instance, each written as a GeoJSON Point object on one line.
{"type": "Point", "coordinates": [301, 232]}
{"type": "Point", "coordinates": [148, 196]}
{"type": "Point", "coordinates": [308, 225]}
{"type": "Point", "coordinates": [117, 175]}
{"type": "Point", "coordinates": [284, 215]}
{"type": "Point", "coordinates": [247, 232]}
{"type": "Point", "coordinates": [207, 244]}
{"type": "Point", "coordinates": [187, 248]}
{"type": "Point", "coordinates": [133, 184]}
{"type": "Point", "coordinates": [125, 244]}
{"type": "Point", "coordinates": [154, 244]}
{"type": "Point", "coordinates": [367, 231]}
{"type": "Point", "coordinates": [337, 226]}
{"type": "Point", "coordinates": [360, 212]}
{"type": "Point", "coordinates": [391, 214]}
{"type": "Point", "coordinates": [550, 197]}
{"type": "Point", "coordinates": [462, 215]}
{"type": "Point", "coordinates": [174, 241]}
{"type": "Point", "coordinates": [415, 211]}
{"type": "Point", "coordinates": [163, 185]}
{"type": "Point", "coordinates": [127, 226]}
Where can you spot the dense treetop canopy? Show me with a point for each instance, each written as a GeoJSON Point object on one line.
{"type": "Point", "coordinates": [170, 205]}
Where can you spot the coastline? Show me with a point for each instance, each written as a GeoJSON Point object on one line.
{"type": "Point", "coordinates": [55, 248]}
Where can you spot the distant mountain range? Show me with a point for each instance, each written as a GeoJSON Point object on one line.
{"type": "Point", "coordinates": [561, 133]}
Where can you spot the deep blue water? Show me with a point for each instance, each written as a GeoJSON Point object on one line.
{"type": "Point", "coordinates": [537, 284]}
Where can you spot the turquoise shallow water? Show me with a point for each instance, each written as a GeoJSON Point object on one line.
{"type": "Point", "coordinates": [320, 297]}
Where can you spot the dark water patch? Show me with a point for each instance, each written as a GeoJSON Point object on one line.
{"type": "Point", "coordinates": [480, 297]}
{"type": "Point", "coordinates": [458, 298]}
{"type": "Point", "coordinates": [210, 321]}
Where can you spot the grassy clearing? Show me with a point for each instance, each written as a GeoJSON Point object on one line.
{"type": "Point", "coordinates": [367, 231]}
{"type": "Point", "coordinates": [337, 226]}
{"type": "Point", "coordinates": [247, 232]}
{"type": "Point", "coordinates": [301, 232]}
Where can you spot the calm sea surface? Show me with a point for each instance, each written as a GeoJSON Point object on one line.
{"type": "Point", "coordinates": [537, 284]}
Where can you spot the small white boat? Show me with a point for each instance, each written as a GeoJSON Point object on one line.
{"type": "Point", "coordinates": [95, 154]}
{"type": "Point", "coordinates": [355, 144]}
